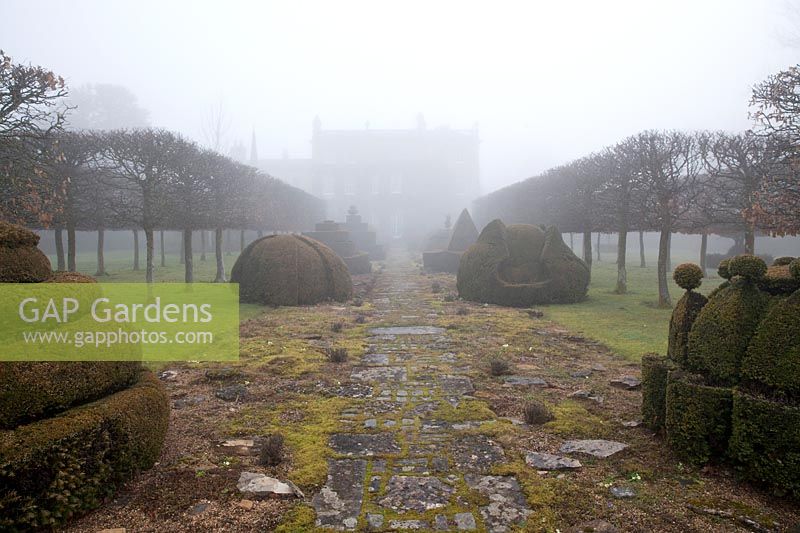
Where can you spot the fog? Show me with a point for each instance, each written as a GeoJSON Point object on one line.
{"type": "Point", "coordinates": [545, 82]}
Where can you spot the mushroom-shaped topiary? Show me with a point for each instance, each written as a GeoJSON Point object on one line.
{"type": "Point", "coordinates": [723, 269]}
{"type": "Point", "coordinates": [794, 268]}
{"type": "Point", "coordinates": [747, 266]}
{"type": "Point", "coordinates": [688, 276]}
{"type": "Point", "coordinates": [290, 270]}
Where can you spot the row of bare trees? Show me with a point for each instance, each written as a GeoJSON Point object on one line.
{"type": "Point", "coordinates": [673, 181]}
{"type": "Point", "coordinates": [141, 179]}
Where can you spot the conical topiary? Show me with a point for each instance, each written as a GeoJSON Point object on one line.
{"type": "Point", "coordinates": [464, 233]}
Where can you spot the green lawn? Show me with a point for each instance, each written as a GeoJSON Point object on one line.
{"type": "Point", "coordinates": [119, 266]}
{"type": "Point", "coordinates": [630, 324]}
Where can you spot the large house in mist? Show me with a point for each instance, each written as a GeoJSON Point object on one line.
{"type": "Point", "coordinates": [403, 182]}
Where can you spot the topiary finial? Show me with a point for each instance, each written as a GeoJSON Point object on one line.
{"type": "Point", "coordinates": [794, 268]}
{"type": "Point", "coordinates": [722, 269]}
{"type": "Point", "coordinates": [688, 276]}
{"type": "Point", "coordinates": [747, 266]}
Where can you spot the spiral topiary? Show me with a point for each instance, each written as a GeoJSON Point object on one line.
{"type": "Point", "coordinates": [722, 269]}
{"type": "Point", "coordinates": [688, 276]}
{"type": "Point", "coordinates": [747, 266]}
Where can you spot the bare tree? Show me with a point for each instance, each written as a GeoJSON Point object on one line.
{"type": "Point", "coordinates": [670, 167]}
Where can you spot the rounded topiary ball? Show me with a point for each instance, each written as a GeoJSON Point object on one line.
{"type": "Point", "coordinates": [794, 268]}
{"type": "Point", "coordinates": [747, 266]}
{"type": "Point", "coordinates": [783, 261]}
{"type": "Point", "coordinates": [722, 269]}
{"type": "Point", "coordinates": [688, 276]}
{"type": "Point", "coordinates": [20, 260]}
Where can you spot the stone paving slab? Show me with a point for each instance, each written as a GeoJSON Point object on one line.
{"type": "Point", "coordinates": [407, 330]}
{"type": "Point", "coordinates": [338, 504]}
{"type": "Point", "coordinates": [416, 493]}
{"type": "Point", "coordinates": [364, 444]}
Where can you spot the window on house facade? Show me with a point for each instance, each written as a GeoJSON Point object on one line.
{"type": "Point", "coordinates": [350, 185]}
{"type": "Point", "coordinates": [328, 185]}
{"type": "Point", "coordinates": [396, 182]}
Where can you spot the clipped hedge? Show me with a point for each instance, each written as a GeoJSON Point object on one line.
{"type": "Point", "coordinates": [722, 331]}
{"type": "Point", "coordinates": [772, 362]}
{"type": "Point", "coordinates": [698, 418]}
{"type": "Point", "coordinates": [686, 311]}
{"type": "Point", "coordinates": [20, 260]}
{"type": "Point", "coordinates": [655, 369]}
{"type": "Point", "coordinates": [57, 468]}
{"type": "Point", "coordinates": [521, 265]}
{"type": "Point", "coordinates": [290, 270]}
{"type": "Point", "coordinates": [765, 442]}
{"type": "Point", "coordinates": [358, 263]}
{"type": "Point", "coordinates": [779, 280]}
{"type": "Point", "coordinates": [31, 391]}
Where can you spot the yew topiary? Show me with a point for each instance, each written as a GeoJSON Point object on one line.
{"type": "Point", "coordinates": [688, 276]}
{"type": "Point", "coordinates": [748, 266]}
{"type": "Point", "coordinates": [686, 311]}
{"type": "Point", "coordinates": [20, 260]}
{"type": "Point", "coordinates": [765, 442]}
{"type": "Point", "coordinates": [783, 261]}
{"type": "Point", "coordinates": [794, 268]}
{"type": "Point", "coordinates": [655, 369]}
{"type": "Point", "coordinates": [772, 362]}
{"type": "Point", "coordinates": [290, 270]}
{"type": "Point", "coordinates": [723, 270]}
{"type": "Point", "coordinates": [698, 417]}
{"type": "Point", "coordinates": [521, 265]}
{"type": "Point", "coordinates": [57, 468]}
{"type": "Point", "coordinates": [723, 329]}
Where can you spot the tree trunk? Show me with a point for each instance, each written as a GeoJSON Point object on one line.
{"type": "Point", "coordinates": [202, 245]}
{"type": "Point", "coordinates": [228, 242]}
{"type": "Point", "coordinates": [587, 247]}
{"type": "Point", "coordinates": [598, 247]}
{"type": "Point", "coordinates": [101, 261]}
{"type": "Point", "coordinates": [669, 252]}
{"type": "Point", "coordinates": [260, 234]}
{"type": "Point", "coordinates": [182, 252]}
{"type": "Point", "coordinates": [642, 262]}
{"type": "Point", "coordinates": [220, 277]}
{"type": "Point", "coordinates": [663, 258]}
{"type": "Point", "coordinates": [750, 240]}
{"type": "Point", "coordinates": [187, 256]}
{"type": "Point", "coordinates": [149, 255]}
{"type": "Point", "coordinates": [163, 251]}
{"type": "Point", "coordinates": [703, 251]}
{"type": "Point", "coordinates": [622, 273]}
{"type": "Point", "coordinates": [71, 248]}
{"type": "Point", "coordinates": [59, 236]}
{"type": "Point", "coordinates": [571, 241]}
{"type": "Point", "coordinates": [241, 241]}
{"type": "Point", "coordinates": [136, 249]}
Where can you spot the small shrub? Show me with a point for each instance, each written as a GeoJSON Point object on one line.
{"type": "Point", "coordinates": [688, 276]}
{"type": "Point", "coordinates": [535, 313]}
{"type": "Point", "coordinates": [336, 355]}
{"type": "Point", "coordinates": [747, 266]}
{"type": "Point", "coordinates": [536, 413]}
{"type": "Point", "coordinates": [462, 311]}
{"type": "Point", "coordinates": [783, 261]}
{"type": "Point", "coordinates": [360, 319]}
{"type": "Point", "coordinates": [722, 269]}
{"type": "Point", "coordinates": [436, 287]}
{"type": "Point", "coordinates": [498, 367]}
{"type": "Point", "coordinates": [357, 302]}
{"type": "Point", "coordinates": [272, 450]}
{"type": "Point", "coordinates": [336, 327]}
{"type": "Point", "coordinates": [450, 297]}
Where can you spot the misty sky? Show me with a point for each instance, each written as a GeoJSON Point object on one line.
{"type": "Point", "coordinates": [547, 81]}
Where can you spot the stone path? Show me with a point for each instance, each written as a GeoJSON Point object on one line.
{"type": "Point", "coordinates": [396, 466]}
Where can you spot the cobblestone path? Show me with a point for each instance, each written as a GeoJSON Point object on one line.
{"type": "Point", "coordinates": [397, 466]}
